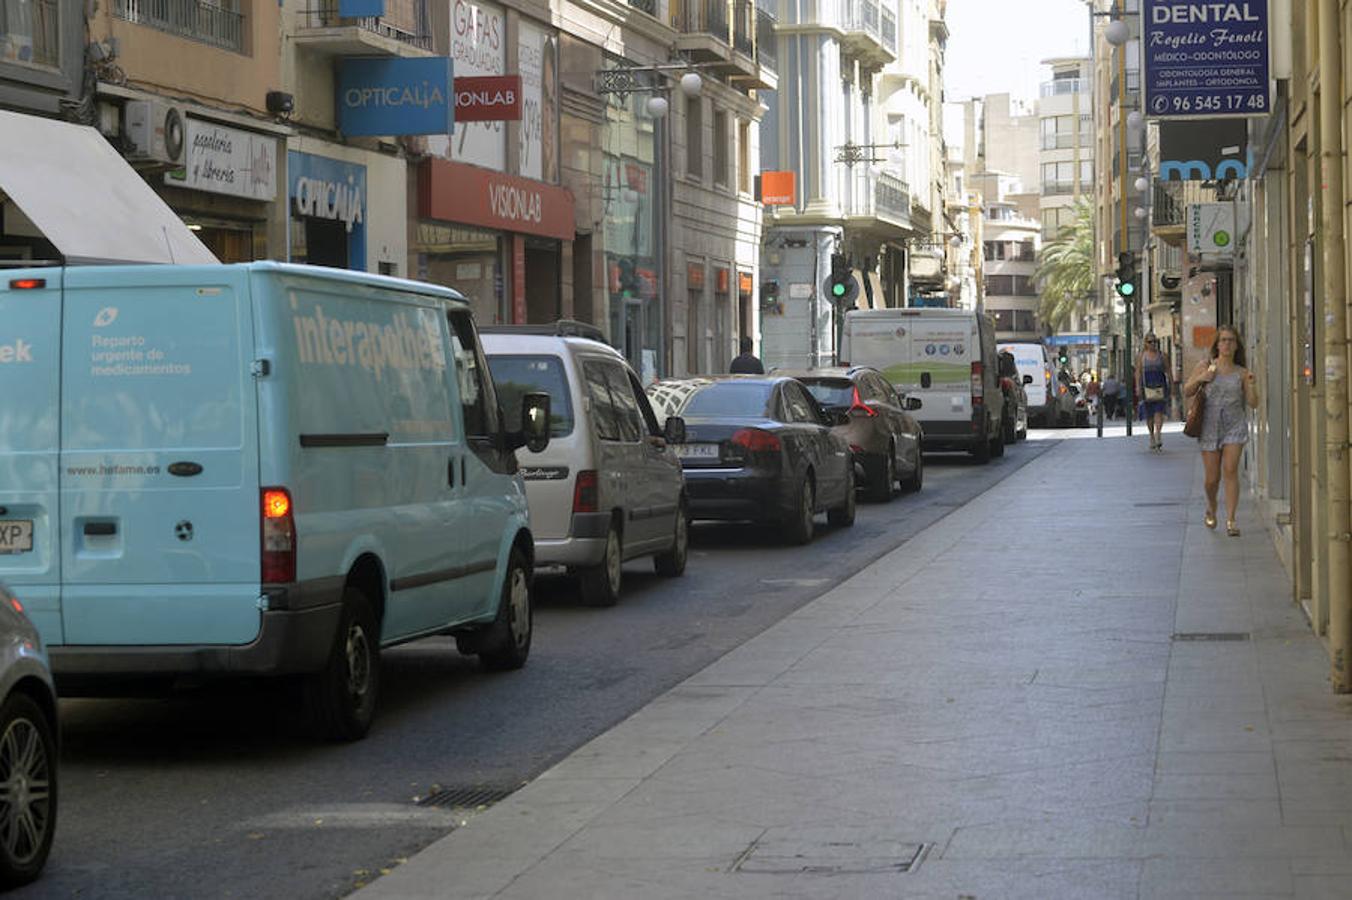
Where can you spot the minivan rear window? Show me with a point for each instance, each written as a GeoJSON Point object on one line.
{"type": "Point", "coordinates": [515, 376]}
{"type": "Point", "coordinates": [839, 392]}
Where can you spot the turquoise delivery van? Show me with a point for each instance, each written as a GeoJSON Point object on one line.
{"type": "Point", "coordinates": [259, 469]}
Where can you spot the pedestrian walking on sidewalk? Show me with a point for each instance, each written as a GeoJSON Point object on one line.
{"type": "Point", "coordinates": [1111, 396]}
{"type": "Point", "coordinates": [746, 363]}
{"type": "Point", "coordinates": [1152, 386]}
{"type": "Point", "coordinates": [1228, 388]}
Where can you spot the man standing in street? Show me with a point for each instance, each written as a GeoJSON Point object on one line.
{"type": "Point", "coordinates": [1112, 388]}
{"type": "Point", "coordinates": [746, 363]}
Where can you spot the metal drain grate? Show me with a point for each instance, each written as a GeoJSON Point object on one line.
{"type": "Point", "coordinates": [465, 797]}
{"type": "Point", "coordinates": [1212, 636]}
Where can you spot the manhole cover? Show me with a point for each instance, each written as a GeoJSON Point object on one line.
{"type": "Point", "coordinates": [1212, 636]}
{"type": "Point", "coordinates": [465, 797]}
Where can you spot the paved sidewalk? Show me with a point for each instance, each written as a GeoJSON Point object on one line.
{"type": "Point", "coordinates": [1025, 700]}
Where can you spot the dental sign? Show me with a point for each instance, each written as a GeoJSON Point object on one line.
{"type": "Point", "coordinates": [1204, 60]}
{"type": "Point", "coordinates": [380, 97]}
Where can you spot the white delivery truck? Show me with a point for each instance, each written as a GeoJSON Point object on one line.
{"type": "Point", "coordinates": [947, 358]}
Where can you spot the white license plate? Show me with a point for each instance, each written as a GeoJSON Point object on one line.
{"type": "Point", "coordinates": [16, 535]}
{"type": "Point", "coordinates": [697, 451]}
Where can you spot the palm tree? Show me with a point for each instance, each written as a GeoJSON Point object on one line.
{"type": "Point", "coordinates": [1066, 269]}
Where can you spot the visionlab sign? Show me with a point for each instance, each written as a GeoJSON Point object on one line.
{"type": "Point", "coordinates": [380, 97]}
{"type": "Point", "coordinates": [1205, 59]}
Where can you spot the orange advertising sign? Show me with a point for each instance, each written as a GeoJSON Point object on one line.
{"type": "Point", "coordinates": [778, 188]}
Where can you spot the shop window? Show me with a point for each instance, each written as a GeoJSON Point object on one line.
{"type": "Point", "coordinates": [229, 245]}
{"type": "Point", "coordinates": [467, 259]}
{"type": "Point", "coordinates": [29, 32]}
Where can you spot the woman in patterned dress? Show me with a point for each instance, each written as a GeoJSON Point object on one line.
{"type": "Point", "coordinates": [1230, 388]}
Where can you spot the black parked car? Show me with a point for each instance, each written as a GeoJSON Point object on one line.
{"type": "Point", "coordinates": [760, 449]}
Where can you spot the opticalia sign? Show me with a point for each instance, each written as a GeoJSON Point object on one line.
{"type": "Point", "coordinates": [378, 97]}
{"type": "Point", "coordinates": [488, 98]}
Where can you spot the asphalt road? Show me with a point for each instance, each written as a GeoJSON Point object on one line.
{"type": "Point", "coordinates": [218, 793]}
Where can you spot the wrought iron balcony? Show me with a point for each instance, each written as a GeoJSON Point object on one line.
{"type": "Point", "coordinates": [766, 42]}
{"type": "Point", "coordinates": [881, 196]}
{"type": "Point", "coordinates": [1060, 87]}
{"type": "Point", "coordinates": [647, 6]}
{"type": "Point", "coordinates": [861, 22]}
{"type": "Point", "coordinates": [403, 30]}
{"type": "Point", "coordinates": [197, 20]}
{"type": "Point", "coordinates": [736, 36]}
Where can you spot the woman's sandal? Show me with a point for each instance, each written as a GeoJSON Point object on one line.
{"type": "Point", "coordinates": [1210, 520]}
{"type": "Point", "coordinates": [1231, 528]}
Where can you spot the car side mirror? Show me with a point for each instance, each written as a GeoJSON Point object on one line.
{"type": "Point", "coordinates": [674, 431]}
{"type": "Point", "coordinates": [925, 380]}
{"type": "Point", "coordinates": [534, 433]}
{"type": "Point", "coordinates": [1028, 379]}
{"type": "Point", "coordinates": [913, 403]}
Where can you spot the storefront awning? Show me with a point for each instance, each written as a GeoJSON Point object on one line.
{"type": "Point", "coordinates": [84, 198]}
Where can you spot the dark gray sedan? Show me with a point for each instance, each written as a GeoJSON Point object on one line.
{"type": "Point", "coordinates": [760, 449]}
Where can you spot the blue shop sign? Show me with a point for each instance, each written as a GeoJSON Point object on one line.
{"type": "Point", "coordinates": [361, 9]}
{"type": "Point", "coordinates": [1205, 59]}
{"type": "Point", "coordinates": [322, 188]}
{"type": "Point", "coordinates": [1070, 340]}
{"type": "Point", "coordinates": [380, 97]}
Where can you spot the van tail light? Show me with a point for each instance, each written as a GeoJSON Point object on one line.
{"type": "Point", "coordinates": [279, 537]}
{"type": "Point", "coordinates": [27, 284]}
{"type": "Point", "coordinates": [857, 405]}
{"type": "Point", "coordinates": [755, 440]}
{"type": "Point", "coordinates": [584, 492]}
{"type": "Point", "coordinates": [978, 386]}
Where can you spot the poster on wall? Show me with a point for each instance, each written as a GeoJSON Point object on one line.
{"type": "Point", "coordinates": [537, 55]}
{"type": "Point", "coordinates": [478, 47]}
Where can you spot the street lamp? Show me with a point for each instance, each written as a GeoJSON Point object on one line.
{"type": "Point", "coordinates": [649, 80]}
{"type": "Point", "coordinates": [1116, 32]}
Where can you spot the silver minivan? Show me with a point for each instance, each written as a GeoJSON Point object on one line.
{"type": "Point", "coordinates": [608, 488]}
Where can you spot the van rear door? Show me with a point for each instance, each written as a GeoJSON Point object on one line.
{"type": "Point", "coordinates": [30, 385]}
{"type": "Point", "coordinates": [159, 458]}
{"type": "Point", "coordinates": [939, 369]}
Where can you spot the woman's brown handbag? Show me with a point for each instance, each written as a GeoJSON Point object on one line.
{"type": "Point", "coordinates": [1193, 426]}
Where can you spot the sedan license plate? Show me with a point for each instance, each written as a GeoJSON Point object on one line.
{"type": "Point", "coordinates": [697, 451]}
{"type": "Point", "coordinates": [16, 535]}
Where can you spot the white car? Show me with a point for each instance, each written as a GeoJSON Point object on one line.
{"type": "Point", "coordinates": [608, 488]}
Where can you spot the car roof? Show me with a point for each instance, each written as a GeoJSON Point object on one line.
{"type": "Point", "coordinates": [501, 342]}
{"type": "Point", "coordinates": [768, 378]}
{"type": "Point", "coordinates": [827, 372]}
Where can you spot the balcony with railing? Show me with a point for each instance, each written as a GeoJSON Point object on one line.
{"type": "Point", "coordinates": [1169, 204]}
{"type": "Point", "coordinates": [197, 20]}
{"type": "Point", "coordinates": [647, 6]}
{"type": "Point", "coordinates": [870, 32]}
{"type": "Point", "coordinates": [736, 36]}
{"type": "Point", "coordinates": [1067, 141]}
{"type": "Point", "coordinates": [880, 203]}
{"type": "Point", "coordinates": [1061, 87]}
{"type": "Point", "coordinates": [927, 263]}
{"type": "Point", "coordinates": [403, 30]}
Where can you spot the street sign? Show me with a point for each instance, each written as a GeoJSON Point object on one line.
{"type": "Point", "coordinates": [1211, 229]}
{"type": "Point", "coordinates": [1204, 59]}
{"type": "Point", "coordinates": [1061, 340]}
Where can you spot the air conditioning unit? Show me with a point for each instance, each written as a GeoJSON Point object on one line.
{"type": "Point", "coordinates": [155, 131]}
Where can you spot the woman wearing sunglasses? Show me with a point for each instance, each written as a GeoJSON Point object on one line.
{"type": "Point", "coordinates": [1230, 391]}
{"type": "Point", "coordinates": [1152, 386]}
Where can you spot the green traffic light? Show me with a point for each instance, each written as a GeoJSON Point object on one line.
{"type": "Point", "coordinates": [838, 289]}
{"type": "Point", "coordinates": [1126, 289]}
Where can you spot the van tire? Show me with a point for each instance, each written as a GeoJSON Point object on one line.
{"type": "Point", "coordinates": [842, 516]}
{"type": "Point", "coordinates": [341, 697]}
{"type": "Point", "coordinates": [916, 480]}
{"type": "Point", "coordinates": [798, 527]}
{"type": "Point", "coordinates": [982, 451]}
{"type": "Point", "coordinates": [23, 721]}
{"type": "Point", "coordinates": [600, 584]}
{"type": "Point", "coordinates": [671, 563]}
{"type": "Point", "coordinates": [505, 644]}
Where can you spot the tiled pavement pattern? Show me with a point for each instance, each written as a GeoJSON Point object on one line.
{"type": "Point", "coordinates": [999, 708]}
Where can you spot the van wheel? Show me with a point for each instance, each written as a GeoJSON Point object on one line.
{"type": "Point", "coordinates": [341, 698]}
{"type": "Point", "coordinates": [672, 562]}
{"type": "Point", "coordinates": [982, 452]}
{"type": "Point", "coordinates": [28, 788]}
{"type": "Point", "coordinates": [843, 515]}
{"type": "Point", "coordinates": [917, 478]}
{"type": "Point", "coordinates": [506, 643]}
{"type": "Point", "coordinates": [883, 487]}
{"type": "Point", "coordinates": [798, 527]}
{"type": "Point", "coordinates": [600, 584]}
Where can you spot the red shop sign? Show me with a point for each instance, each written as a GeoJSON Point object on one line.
{"type": "Point", "coordinates": [468, 195]}
{"type": "Point", "coordinates": [487, 98]}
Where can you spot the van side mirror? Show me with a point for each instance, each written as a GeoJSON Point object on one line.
{"type": "Point", "coordinates": [674, 431]}
{"type": "Point", "coordinates": [534, 433]}
{"type": "Point", "coordinates": [1028, 379]}
{"type": "Point", "coordinates": [925, 380]}
{"type": "Point", "coordinates": [913, 403]}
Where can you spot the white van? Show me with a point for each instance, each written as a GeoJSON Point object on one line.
{"type": "Point", "coordinates": [258, 469]}
{"type": "Point", "coordinates": [1035, 369]}
{"type": "Point", "coordinates": [947, 358]}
